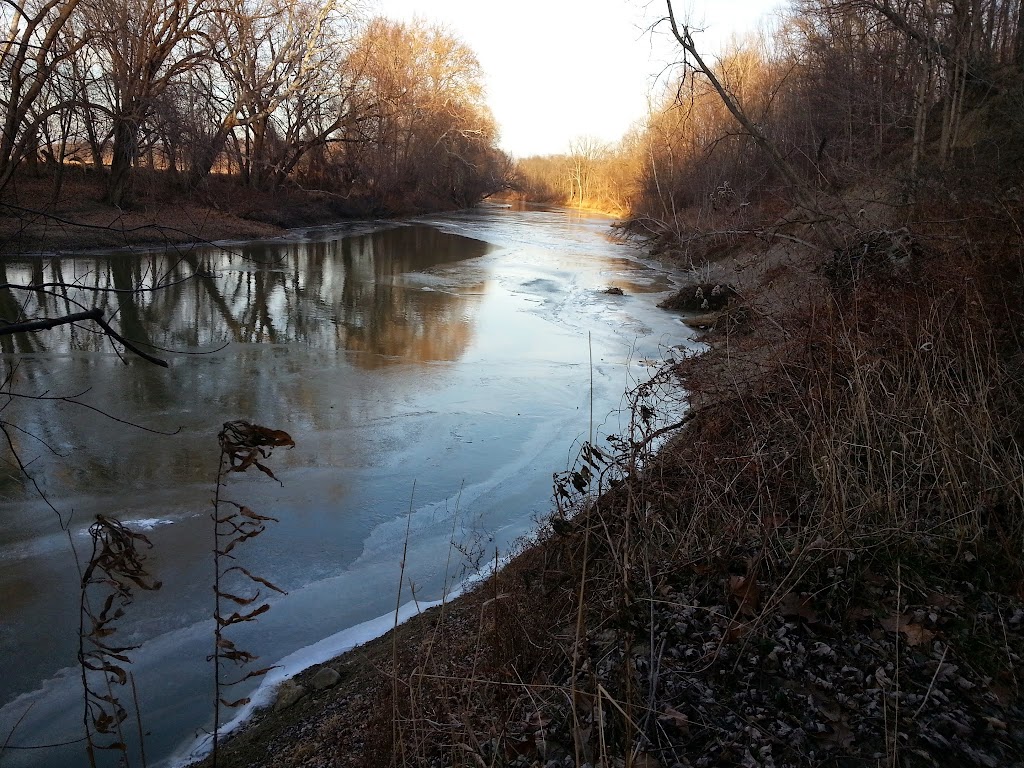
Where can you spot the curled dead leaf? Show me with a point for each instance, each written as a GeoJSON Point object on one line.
{"type": "Point", "coordinates": [745, 591]}
{"type": "Point", "coordinates": [798, 606]}
{"type": "Point", "coordinates": [915, 634]}
{"type": "Point", "coordinates": [674, 717]}
{"type": "Point", "coordinates": [859, 614]}
{"type": "Point", "coordinates": [737, 630]}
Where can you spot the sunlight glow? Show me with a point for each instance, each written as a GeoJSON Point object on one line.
{"type": "Point", "coordinates": [559, 69]}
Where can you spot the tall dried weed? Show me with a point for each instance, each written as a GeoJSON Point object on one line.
{"type": "Point", "coordinates": [115, 569]}
{"type": "Point", "coordinates": [242, 446]}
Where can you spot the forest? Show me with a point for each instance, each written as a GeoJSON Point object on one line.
{"type": "Point", "coordinates": [842, 89]}
{"type": "Point", "coordinates": [380, 114]}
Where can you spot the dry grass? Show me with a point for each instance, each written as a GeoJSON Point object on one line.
{"type": "Point", "coordinates": [852, 464]}
{"type": "Point", "coordinates": [878, 438]}
{"type": "Point", "coordinates": [858, 436]}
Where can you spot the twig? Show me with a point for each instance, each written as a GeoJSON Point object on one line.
{"type": "Point", "coordinates": [138, 719]}
{"type": "Point", "coordinates": [663, 430]}
{"type": "Point", "coordinates": [95, 315]}
{"type": "Point", "coordinates": [10, 734]}
{"type": "Point", "coordinates": [395, 740]}
{"type": "Point", "coordinates": [931, 684]}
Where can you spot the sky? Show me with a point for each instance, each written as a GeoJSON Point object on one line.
{"type": "Point", "coordinates": [557, 70]}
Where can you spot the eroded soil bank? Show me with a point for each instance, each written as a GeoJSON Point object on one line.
{"type": "Point", "coordinates": [40, 215]}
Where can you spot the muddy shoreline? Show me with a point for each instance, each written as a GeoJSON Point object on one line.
{"type": "Point", "coordinates": [35, 221]}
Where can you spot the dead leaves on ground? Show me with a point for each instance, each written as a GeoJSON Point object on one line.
{"type": "Point", "coordinates": [745, 592]}
{"type": "Point", "coordinates": [915, 634]}
{"type": "Point", "coordinates": [746, 597]}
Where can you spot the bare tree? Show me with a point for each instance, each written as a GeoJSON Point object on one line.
{"type": "Point", "coordinates": [35, 47]}
{"type": "Point", "coordinates": [584, 154]}
{"type": "Point", "coordinates": [805, 196]}
{"type": "Point", "coordinates": [429, 137]}
{"type": "Point", "coordinates": [145, 46]}
{"type": "Point", "coordinates": [267, 56]}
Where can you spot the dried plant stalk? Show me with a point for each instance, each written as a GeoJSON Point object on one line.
{"type": "Point", "coordinates": [242, 445]}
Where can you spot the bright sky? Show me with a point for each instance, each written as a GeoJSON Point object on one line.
{"type": "Point", "coordinates": [560, 69]}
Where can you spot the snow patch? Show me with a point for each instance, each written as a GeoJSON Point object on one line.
{"type": "Point", "coordinates": [302, 659]}
{"type": "Point", "coordinates": [148, 523]}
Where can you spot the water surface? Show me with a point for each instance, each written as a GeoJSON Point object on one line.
{"type": "Point", "coordinates": [453, 352]}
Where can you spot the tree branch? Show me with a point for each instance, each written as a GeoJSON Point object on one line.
{"type": "Point", "coordinates": [95, 315]}
{"type": "Point", "coordinates": [45, 325]}
{"type": "Point", "coordinates": [804, 198]}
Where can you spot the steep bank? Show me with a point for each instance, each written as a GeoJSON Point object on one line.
{"type": "Point", "coordinates": [822, 567]}
{"type": "Point", "coordinates": [40, 215]}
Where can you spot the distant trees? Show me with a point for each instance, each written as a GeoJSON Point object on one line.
{"type": "Point", "coordinates": [836, 91]}
{"type": "Point", "coordinates": [270, 91]}
{"type": "Point", "coordinates": [593, 175]}
{"type": "Point", "coordinates": [427, 135]}
{"type": "Point", "coordinates": [836, 88]}
{"type": "Point", "coordinates": [542, 179]}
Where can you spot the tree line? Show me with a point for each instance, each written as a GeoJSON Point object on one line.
{"type": "Point", "coordinates": [838, 87]}
{"type": "Point", "coordinates": [270, 92]}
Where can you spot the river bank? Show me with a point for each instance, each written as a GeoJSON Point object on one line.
{"type": "Point", "coordinates": [822, 567]}
{"type": "Point", "coordinates": [43, 214]}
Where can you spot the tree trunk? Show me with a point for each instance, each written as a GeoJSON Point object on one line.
{"type": "Point", "coordinates": [126, 137]}
{"type": "Point", "coordinates": [206, 156]}
{"type": "Point", "coordinates": [1018, 52]}
{"type": "Point", "coordinates": [257, 159]}
{"type": "Point", "coordinates": [95, 148]}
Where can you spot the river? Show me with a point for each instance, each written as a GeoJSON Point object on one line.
{"type": "Point", "coordinates": [452, 354]}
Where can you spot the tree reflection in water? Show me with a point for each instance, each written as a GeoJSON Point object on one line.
{"type": "Point", "coordinates": [363, 294]}
{"type": "Point", "coordinates": [332, 294]}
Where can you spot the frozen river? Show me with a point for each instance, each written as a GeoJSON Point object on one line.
{"type": "Point", "coordinates": [449, 351]}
